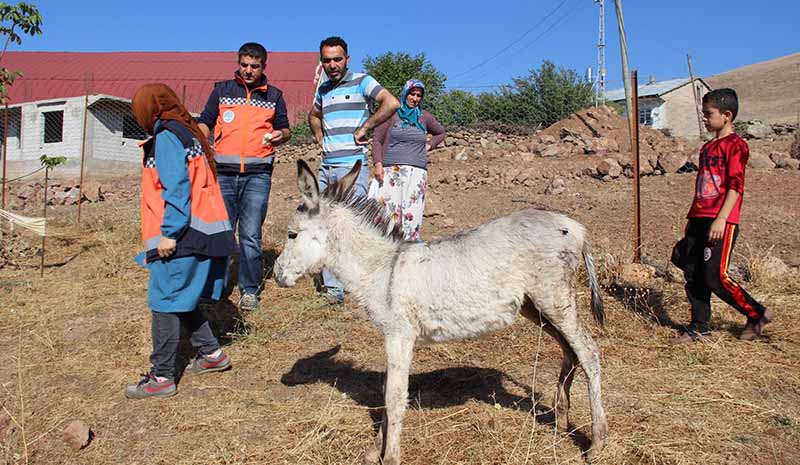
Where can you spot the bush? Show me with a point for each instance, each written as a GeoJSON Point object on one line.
{"type": "Point", "coordinates": [301, 131]}
{"type": "Point", "coordinates": [456, 108]}
{"type": "Point", "coordinates": [392, 70]}
{"type": "Point", "coordinates": [543, 98]}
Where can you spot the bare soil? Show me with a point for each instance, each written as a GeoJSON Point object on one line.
{"type": "Point", "coordinates": [307, 378]}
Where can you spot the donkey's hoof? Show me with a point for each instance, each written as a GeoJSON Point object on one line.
{"type": "Point", "coordinates": [594, 453]}
{"type": "Point", "coordinates": [562, 421]}
{"type": "Point", "coordinates": [372, 456]}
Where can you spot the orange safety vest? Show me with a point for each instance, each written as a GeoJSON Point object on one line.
{"type": "Point", "coordinates": [245, 115]}
{"type": "Point", "coordinates": [209, 232]}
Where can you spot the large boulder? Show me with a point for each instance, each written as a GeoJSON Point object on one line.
{"type": "Point", "coordinates": [609, 167]}
{"type": "Point", "coordinates": [671, 162]}
{"type": "Point", "coordinates": [77, 435]}
{"type": "Point", "coordinates": [754, 129]}
{"type": "Point", "coordinates": [550, 151]}
{"type": "Point", "coordinates": [759, 160]}
{"type": "Point", "coordinates": [556, 186]}
{"type": "Point", "coordinates": [779, 159]}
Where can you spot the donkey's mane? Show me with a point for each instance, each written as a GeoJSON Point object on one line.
{"type": "Point", "coordinates": [370, 211]}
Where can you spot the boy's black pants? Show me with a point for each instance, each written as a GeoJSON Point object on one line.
{"type": "Point", "coordinates": [706, 271]}
{"type": "Point", "coordinates": [166, 329]}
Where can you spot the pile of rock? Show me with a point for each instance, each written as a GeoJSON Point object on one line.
{"type": "Point", "coordinates": [25, 196]}
{"type": "Point", "coordinates": [596, 134]}
{"type": "Point", "coordinates": [757, 129]}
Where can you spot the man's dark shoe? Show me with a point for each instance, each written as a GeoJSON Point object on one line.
{"type": "Point", "coordinates": [205, 364]}
{"type": "Point", "coordinates": [149, 386]}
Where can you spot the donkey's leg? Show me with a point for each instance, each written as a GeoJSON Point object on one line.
{"type": "Point", "coordinates": [373, 452]}
{"type": "Point", "coordinates": [399, 352]}
{"type": "Point", "coordinates": [560, 309]}
{"type": "Point", "coordinates": [568, 364]}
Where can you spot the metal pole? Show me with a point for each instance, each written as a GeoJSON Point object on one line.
{"type": "Point", "coordinates": [44, 215]}
{"type": "Point", "coordinates": [600, 98]}
{"type": "Point", "coordinates": [5, 154]}
{"type": "Point", "coordinates": [696, 100]}
{"type": "Point", "coordinates": [637, 230]}
{"type": "Point", "coordinates": [83, 153]}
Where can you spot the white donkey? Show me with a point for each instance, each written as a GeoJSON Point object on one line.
{"type": "Point", "coordinates": [463, 286]}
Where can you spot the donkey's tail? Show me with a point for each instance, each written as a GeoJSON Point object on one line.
{"type": "Point", "coordinates": [597, 297]}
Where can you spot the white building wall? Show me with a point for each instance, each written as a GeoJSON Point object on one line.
{"type": "Point", "coordinates": [679, 112]}
{"type": "Point", "coordinates": [107, 151]}
{"type": "Point", "coordinates": [32, 144]}
{"type": "Point", "coordinates": [107, 141]}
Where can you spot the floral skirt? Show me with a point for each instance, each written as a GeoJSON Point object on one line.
{"type": "Point", "coordinates": [403, 193]}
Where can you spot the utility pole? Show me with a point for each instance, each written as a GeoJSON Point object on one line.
{"type": "Point", "coordinates": [601, 55]}
{"type": "Point", "coordinates": [697, 106]}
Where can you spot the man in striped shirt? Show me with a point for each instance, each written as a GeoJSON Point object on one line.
{"type": "Point", "coordinates": [340, 121]}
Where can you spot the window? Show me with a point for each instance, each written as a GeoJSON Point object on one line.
{"type": "Point", "coordinates": [131, 129]}
{"type": "Point", "coordinates": [646, 116]}
{"type": "Point", "coordinates": [13, 127]}
{"type": "Point", "coordinates": [53, 126]}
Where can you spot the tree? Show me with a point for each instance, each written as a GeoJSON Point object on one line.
{"type": "Point", "coordinates": [392, 70]}
{"type": "Point", "coordinates": [455, 108]}
{"type": "Point", "coordinates": [561, 92]}
{"type": "Point", "coordinates": [24, 18]}
{"type": "Point", "coordinates": [546, 96]}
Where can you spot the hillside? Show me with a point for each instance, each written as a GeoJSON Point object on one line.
{"type": "Point", "coordinates": [769, 91]}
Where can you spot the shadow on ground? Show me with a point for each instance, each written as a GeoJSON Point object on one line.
{"type": "Point", "coordinates": [435, 389]}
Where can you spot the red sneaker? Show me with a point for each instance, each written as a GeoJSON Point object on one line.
{"type": "Point", "coordinates": [205, 364]}
{"type": "Point", "coordinates": [150, 386]}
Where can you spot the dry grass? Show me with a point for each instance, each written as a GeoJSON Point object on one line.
{"type": "Point", "coordinates": [307, 378]}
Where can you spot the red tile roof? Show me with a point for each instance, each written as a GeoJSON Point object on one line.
{"type": "Point", "coordinates": [53, 75]}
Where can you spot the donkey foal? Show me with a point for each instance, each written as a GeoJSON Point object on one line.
{"type": "Point", "coordinates": [463, 286]}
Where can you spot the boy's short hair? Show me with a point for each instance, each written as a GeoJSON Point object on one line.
{"type": "Point", "coordinates": [723, 100]}
{"type": "Point", "coordinates": [255, 50]}
{"type": "Point", "coordinates": [334, 41]}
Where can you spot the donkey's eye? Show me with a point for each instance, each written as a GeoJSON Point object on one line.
{"type": "Point", "coordinates": [292, 235]}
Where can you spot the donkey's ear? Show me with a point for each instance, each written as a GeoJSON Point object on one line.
{"type": "Point", "coordinates": [347, 181]}
{"type": "Point", "coordinates": [307, 183]}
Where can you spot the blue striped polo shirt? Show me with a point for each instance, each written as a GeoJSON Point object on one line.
{"type": "Point", "coordinates": [345, 107]}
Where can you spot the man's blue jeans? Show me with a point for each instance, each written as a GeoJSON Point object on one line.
{"type": "Point", "coordinates": [246, 198]}
{"type": "Point", "coordinates": [327, 176]}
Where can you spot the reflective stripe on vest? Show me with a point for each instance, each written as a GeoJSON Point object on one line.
{"type": "Point", "coordinates": [241, 125]}
{"type": "Point", "coordinates": [209, 231]}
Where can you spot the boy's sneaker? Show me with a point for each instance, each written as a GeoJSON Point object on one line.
{"type": "Point", "coordinates": [150, 386]}
{"type": "Point", "coordinates": [205, 364]}
{"type": "Point", "coordinates": [689, 335]}
{"type": "Point", "coordinates": [248, 303]}
{"type": "Point", "coordinates": [753, 331]}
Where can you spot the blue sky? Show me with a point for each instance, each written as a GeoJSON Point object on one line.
{"type": "Point", "coordinates": [456, 36]}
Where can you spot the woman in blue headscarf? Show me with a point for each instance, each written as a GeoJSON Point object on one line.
{"type": "Point", "coordinates": [400, 157]}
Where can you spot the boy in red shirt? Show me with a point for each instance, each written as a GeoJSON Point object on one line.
{"type": "Point", "coordinates": [713, 224]}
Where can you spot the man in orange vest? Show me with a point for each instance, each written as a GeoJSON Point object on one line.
{"type": "Point", "coordinates": [248, 118]}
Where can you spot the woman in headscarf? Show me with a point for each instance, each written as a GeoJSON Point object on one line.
{"type": "Point", "coordinates": [400, 157]}
{"type": "Point", "coordinates": [187, 238]}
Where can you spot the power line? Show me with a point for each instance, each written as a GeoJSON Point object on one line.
{"type": "Point", "coordinates": [516, 41]}
{"type": "Point", "coordinates": [530, 44]}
